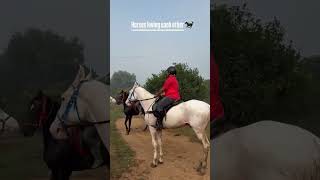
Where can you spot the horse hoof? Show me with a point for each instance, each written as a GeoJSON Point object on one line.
{"type": "Point", "coordinates": [199, 167]}
{"type": "Point", "coordinates": [160, 162]}
{"type": "Point", "coordinates": [153, 165]}
{"type": "Point", "coordinates": [202, 172]}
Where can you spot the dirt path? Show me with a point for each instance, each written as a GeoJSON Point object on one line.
{"type": "Point", "coordinates": [180, 155]}
{"type": "Point", "coordinates": [95, 174]}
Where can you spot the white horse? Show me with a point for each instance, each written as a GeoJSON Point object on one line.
{"type": "Point", "coordinates": [89, 96]}
{"type": "Point", "coordinates": [266, 150]}
{"type": "Point", "coordinates": [112, 100]}
{"type": "Point", "coordinates": [193, 112]}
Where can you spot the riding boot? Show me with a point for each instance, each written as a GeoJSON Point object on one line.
{"type": "Point", "coordinates": [159, 123]}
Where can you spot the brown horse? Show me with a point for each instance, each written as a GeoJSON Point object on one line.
{"type": "Point", "coordinates": [129, 111]}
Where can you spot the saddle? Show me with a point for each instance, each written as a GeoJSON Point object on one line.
{"type": "Point", "coordinates": [167, 108]}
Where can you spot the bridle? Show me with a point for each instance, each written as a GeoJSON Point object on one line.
{"type": "Point", "coordinates": [132, 95]}
{"type": "Point", "coordinates": [139, 100]}
{"type": "Point", "coordinates": [73, 104]}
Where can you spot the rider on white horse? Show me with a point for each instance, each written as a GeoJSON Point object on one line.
{"type": "Point", "coordinates": [170, 89]}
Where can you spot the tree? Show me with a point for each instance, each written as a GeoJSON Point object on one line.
{"type": "Point", "coordinates": [121, 80]}
{"type": "Point", "coordinates": [257, 66]}
{"type": "Point", "coordinates": [33, 60]}
{"type": "Point", "coordinates": [192, 85]}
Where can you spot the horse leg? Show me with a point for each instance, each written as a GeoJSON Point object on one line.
{"type": "Point", "coordinates": [159, 138]}
{"type": "Point", "coordinates": [60, 174]}
{"type": "Point", "coordinates": [145, 128]}
{"type": "Point", "coordinates": [125, 123]}
{"type": "Point", "coordinates": [130, 118]}
{"type": "Point", "coordinates": [206, 145]}
{"type": "Point", "coordinates": [153, 133]}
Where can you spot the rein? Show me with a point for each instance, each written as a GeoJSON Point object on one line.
{"type": "Point", "coordinates": [132, 94]}
{"type": "Point", "coordinates": [143, 99]}
{"type": "Point", "coordinates": [146, 111]}
{"type": "Point", "coordinates": [86, 124]}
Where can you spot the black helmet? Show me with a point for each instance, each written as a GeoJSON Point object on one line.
{"type": "Point", "coordinates": [172, 70]}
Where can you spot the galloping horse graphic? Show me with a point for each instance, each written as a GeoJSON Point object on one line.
{"type": "Point", "coordinates": [189, 24]}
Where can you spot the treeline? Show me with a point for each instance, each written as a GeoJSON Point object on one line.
{"type": "Point", "coordinates": [262, 75]}
{"type": "Point", "coordinates": [192, 85]}
{"type": "Point", "coordinates": [37, 60]}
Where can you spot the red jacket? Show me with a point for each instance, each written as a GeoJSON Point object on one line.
{"type": "Point", "coordinates": [171, 88]}
{"type": "Point", "coordinates": [216, 109]}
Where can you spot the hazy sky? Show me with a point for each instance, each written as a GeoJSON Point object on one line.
{"type": "Point", "coordinates": [82, 18]}
{"type": "Point", "coordinates": [144, 53]}
{"type": "Point", "coordinates": [299, 18]}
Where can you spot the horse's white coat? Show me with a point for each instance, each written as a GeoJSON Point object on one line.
{"type": "Point", "coordinates": [193, 112]}
{"type": "Point", "coordinates": [92, 107]}
{"type": "Point", "coordinates": [112, 100]}
{"type": "Point", "coordinates": [263, 151]}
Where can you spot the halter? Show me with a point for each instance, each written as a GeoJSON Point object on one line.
{"type": "Point", "coordinates": [73, 104]}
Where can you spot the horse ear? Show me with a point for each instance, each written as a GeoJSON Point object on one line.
{"type": "Point", "coordinates": [89, 76]}
{"type": "Point", "coordinates": [80, 76]}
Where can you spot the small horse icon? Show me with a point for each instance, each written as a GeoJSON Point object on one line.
{"type": "Point", "coordinates": [189, 24]}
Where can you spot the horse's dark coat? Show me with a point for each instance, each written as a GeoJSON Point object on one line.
{"type": "Point", "coordinates": [129, 111]}
{"type": "Point", "coordinates": [60, 156]}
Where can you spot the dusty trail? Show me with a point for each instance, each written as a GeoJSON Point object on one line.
{"type": "Point", "coordinates": [180, 155]}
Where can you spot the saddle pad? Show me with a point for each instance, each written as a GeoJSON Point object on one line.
{"type": "Point", "coordinates": [169, 107]}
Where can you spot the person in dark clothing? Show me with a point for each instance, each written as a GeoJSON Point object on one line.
{"type": "Point", "coordinates": [170, 90]}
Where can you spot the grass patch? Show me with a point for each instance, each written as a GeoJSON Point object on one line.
{"type": "Point", "coordinates": [21, 158]}
{"type": "Point", "coordinates": [121, 155]}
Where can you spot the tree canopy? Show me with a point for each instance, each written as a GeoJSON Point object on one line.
{"type": "Point", "coordinates": [36, 59]}
{"type": "Point", "coordinates": [258, 66]}
{"type": "Point", "coordinates": [121, 80]}
{"type": "Point", "coordinates": [192, 85]}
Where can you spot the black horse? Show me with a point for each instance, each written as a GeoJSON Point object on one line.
{"type": "Point", "coordinates": [60, 156]}
{"type": "Point", "coordinates": [129, 111]}
{"type": "Point", "coordinates": [189, 24]}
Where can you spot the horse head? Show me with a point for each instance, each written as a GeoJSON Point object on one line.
{"type": "Point", "coordinates": [72, 107]}
{"type": "Point", "coordinates": [131, 96]}
{"type": "Point", "coordinates": [42, 108]}
{"type": "Point", "coordinates": [121, 97]}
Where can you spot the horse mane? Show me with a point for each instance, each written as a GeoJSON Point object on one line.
{"type": "Point", "coordinates": [147, 93]}
{"type": "Point", "coordinates": [125, 96]}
